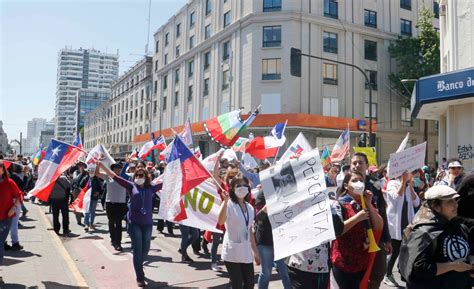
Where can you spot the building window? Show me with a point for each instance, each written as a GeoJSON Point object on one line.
{"type": "Point", "coordinates": [191, 41]}
{"type": "Point", "coordinates": [331, 106]}
{"type": "Point", "coordinates": [156, 65]}
{"type": "Point", "coordinates": [406, 117]}
{"type": "Point", "coordinates": [207, 31]}
{"type": "Point", "coordinates": [191, 68]}
{"type": "Point", "coordinates": [167, 38]}
{"type": "Point", "coordinates": [225, 79]}
{"type": "Point", "coordinates": [176, 98]}
{"type": "Point", "coordinates": [165, 82]}
{"type": "Point", "coordinates": [374, 110]}
{"type": "Point", "coordinates": [271, 5]}
{"type": "Point", "coordinates": [207, 60]}
{"type": "Point", "coordinates": [226, 48]}
{"type": "Point", "coordinates": [226, 19]}
{"type": "Point", "coordinates": [329, 73]}
{"type": "Point", "coordinates": [176, 76]}
{"type": "Point", "coordinates": [271, 69]}
{"type": "Point", "coordinates": [206, 87]}
{"type": "Point", "coordinates": [156, 88]}
{"type": "Point", "coordinates": [190, 93]}
{"type": "Point", "coordinates": [166, 58]}
{"type": "Point", "coordinates": [157, 46]}
{"type": "Point", "coordinates": [405, 27]}
{"type": "Point", "coordinates": [192, 19]}
{"type": "Point", "coordinates": [208, 7]}
{"type": "Point", "coordinates": [436, 9]}
{"type": "Point", "coordinates": [271, 36]}
{"type": "Point", "coordinates": [178, 30]}
{"type": "Point", "coordinates": [164, 102]}
{"type": "Point", "coordinates": [330, 42]}
{"type": "Point", "coordinates": [372, 78]}
{"type": "Point", "coordinates": [370, 48]}
{"type": "Point", "coordinates": [405, 4]}
{"type": "Point", "coordinates": [370, 18]}
{"type": "Point", "coordinates": [177, 51]}
{"type": "Point", "coordinates": [330, 8]}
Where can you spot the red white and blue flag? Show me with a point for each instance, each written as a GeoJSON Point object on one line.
{"type": "Point", "coordinates": [187, 134]}
{"type": "Point", "coordinates": [183, 173]}
{"type": "Point", "coordinates": [58, 158]}
{"type": "Point", "coordinates": [268, 146]}
{"type": "Point", "coordinates": [77, 141]}
{"type": "Point", "coordinates": [341, 148]}
{"type": "Point", "coordinates": [298, 147]}
{"type": "Point", "coordinates": [157, 143]}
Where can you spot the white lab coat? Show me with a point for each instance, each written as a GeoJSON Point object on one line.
{"type": "Point", "coordinates": [395, 206]}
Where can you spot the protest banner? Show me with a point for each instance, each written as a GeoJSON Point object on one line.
{"type": "Point", "coordinates": [370, 152]}
{"type": "Point", "coordinates": [298, 204]}
{"type": "Point", "coordinates": [407, 160]}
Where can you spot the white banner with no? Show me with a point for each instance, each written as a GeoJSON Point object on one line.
{"type": "Point", "coordinates": [298, 204]}
{"type": "Point", "coordinates": [407, 160]}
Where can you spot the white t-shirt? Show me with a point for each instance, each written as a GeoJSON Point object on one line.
{"type": "Point", "coordinates": [236, 246]}
{"type": "Point", "coordinates": [314, 260]}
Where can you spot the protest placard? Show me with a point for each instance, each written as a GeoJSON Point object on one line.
{"type": "Point", "coordinates": [298, 204]}
{"type": "Point", "coordinates": [407, 160]}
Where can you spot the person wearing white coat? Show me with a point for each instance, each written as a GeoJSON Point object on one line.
{"type": "Point", "coordinates": [401, 203]}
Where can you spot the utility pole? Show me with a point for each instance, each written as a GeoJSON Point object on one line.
{"type": "Point", "coordinates": [21, 142]}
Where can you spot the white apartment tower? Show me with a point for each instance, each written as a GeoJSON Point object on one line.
{"type": "Point", "coordinates": [79, 68]}
{"type": "Point", "coordinates": [214, 56]}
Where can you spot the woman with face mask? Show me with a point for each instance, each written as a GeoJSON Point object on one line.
{"type": "Point", "coordinates": [402, 200]}
{"type": "Point", "coordinates": [140, 213]}
{"type": "Point", "coordinates": [349, 252]}
{"type": "Point", "coordinates": [239, 240]}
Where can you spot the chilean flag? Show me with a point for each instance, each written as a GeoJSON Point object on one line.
{"type": "Point", "coordinates": [267, 147]}
{"type": "Point", "coordinates": [58, 158]}
{"type": "Point", "coordinates": [78, 142]}
{"type": "Point", "coordinates": [78, 204]}
{"type": "Point", "coordinates": [341, 148]}
{"type": "Point", "coordinates": [183, 173]}
{"type": "Point", "coordinates": [156, 143]}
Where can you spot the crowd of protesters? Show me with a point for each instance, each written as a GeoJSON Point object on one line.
{"type": "Point", "coordinates": [424, 218]}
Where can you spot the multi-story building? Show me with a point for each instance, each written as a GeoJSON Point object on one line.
{"type": "Point", "coordinates": [79, 68]}
{"type": "Point", "coordinates": [3, 140]}
{"type": "Point", "coordinates": [45, 137]}
{"type": "Point", "coordinates": [88, 99]}
{"type": "Point", "coordinates": [215, 56]}
{"type": "Point", "coordinates": [127, 113]}
{"type": "Point", "coordinates": [34, 128]}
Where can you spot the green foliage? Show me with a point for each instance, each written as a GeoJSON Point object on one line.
{"type": "Point", "coordinates": [415, 56]}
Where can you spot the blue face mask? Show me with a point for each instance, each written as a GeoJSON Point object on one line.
{"type": "Point", "coordinates": [417, 181]}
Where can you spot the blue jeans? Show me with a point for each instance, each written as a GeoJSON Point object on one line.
{"type": "Point", "coordinates": [141, 238]}
{"type": "Point", "coordinates": [89, 217]}
{"type": "Point", "coordinates": [4, 229]}
{"type": "Point", "coordinates": [216, 239]}
{"type": "Point", "coordinates": [266, 261]}
{"type": "Point", "coordinates": [188, 236]}
{"type": "Point", "coordinates": [14, 226]}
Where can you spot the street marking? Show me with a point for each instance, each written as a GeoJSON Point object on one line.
{"type": "Point", "coordinates": [100, 245]}
{"type": "Point", "coordinates": [80, 281]}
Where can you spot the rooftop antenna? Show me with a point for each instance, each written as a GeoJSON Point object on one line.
{"type": "Point", "coordinates": [148, 31]}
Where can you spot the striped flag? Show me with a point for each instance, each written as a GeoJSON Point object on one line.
{"type": "Point", "coordinates": [157, 143]}
{"type": "Point", "coordinates": [341, 149]}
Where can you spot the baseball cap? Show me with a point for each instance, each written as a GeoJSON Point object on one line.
{"type": "Point", "coordinates": [454, 164]}
{"type": "Point", "coordinates": [441, 192]}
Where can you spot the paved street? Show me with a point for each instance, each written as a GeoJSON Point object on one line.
{"type": "Point", "coordinates": [86, 260]}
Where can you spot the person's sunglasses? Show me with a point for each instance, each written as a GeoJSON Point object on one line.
{"type": "Point", "coordinates": [139, 175]}
{"type": "Point", "coordinates": [240, 186]}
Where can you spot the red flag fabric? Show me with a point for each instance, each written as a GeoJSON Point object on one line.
{"type": "Point", "coordinates": [78, 203]}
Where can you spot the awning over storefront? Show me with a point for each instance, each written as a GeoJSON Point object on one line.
{"type": "Point", "coordinates": [434, 94]}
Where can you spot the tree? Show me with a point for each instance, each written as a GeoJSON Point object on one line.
{"type": "Point", "coordinates": [415, 56]}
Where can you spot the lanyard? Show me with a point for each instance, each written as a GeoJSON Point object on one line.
{"type": "Point", "coordinates": [247, 219]}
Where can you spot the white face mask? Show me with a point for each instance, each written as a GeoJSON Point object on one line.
{"type": "Point", "coordinates": [358, 187]}
{"type": "Point", "coordinates": [140, 181]}
{"type": "Point", "coordinates": [241, 192]}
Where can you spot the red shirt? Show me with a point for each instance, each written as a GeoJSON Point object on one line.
{"type": "Point", "coordinates": [8, 193]}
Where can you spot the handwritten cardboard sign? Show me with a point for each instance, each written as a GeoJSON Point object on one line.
{"type": "Point", "coordinates": [407, 160]}
{"type": "Point", "coordinates": [298, 204]}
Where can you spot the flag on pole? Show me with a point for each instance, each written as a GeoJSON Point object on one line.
{"type": "Point", "coordinates": [77, 141]}
{"type": "Point", "coordinates": [325, 158]}
{"type": "Point", "coordinates": [134, 154]}
{"type": "Point", "coordinates": [226, 128]}
{"type": "Point", "coordinates": [99, 153]}
{"type": "Point", "coordinates": [39, 156]}
{"type": "Point", "coordinates": [299, 146]}
{"type": "Point", "coordinates": [157, 143]}
{"type": "Point", "coordinates": [197, 153]}
{"type": "Point", "coordinates": [341, 149]}
{"type": "Point", "coordinates": [268, 146]}
{"type": "Point", "coordinates": [183, 173]}
{"type": "Point", "coordinates": [187, 134]}
{"type": "Point", "coordinates": [58, 158]}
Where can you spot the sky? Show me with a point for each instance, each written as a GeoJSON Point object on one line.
{"type": "Point", "coordinates": [32, 33]}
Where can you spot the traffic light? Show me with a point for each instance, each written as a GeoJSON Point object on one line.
{"type": "Point", "coordinates": [295, 62]}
